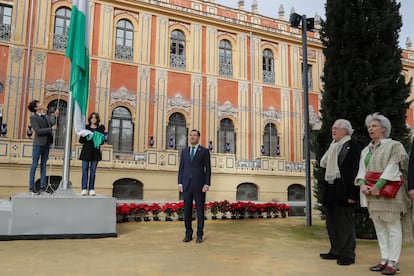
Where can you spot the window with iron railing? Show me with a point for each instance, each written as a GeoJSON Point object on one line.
{"type": "Point", "coordinates": [124, 48]}
{"type": "Point", "coordinates": [5, 21]}
{"type": "Point", "coordinates": [268, 67]}
{"type": "Point", "coordinates": [177, 50]}
{"type": "Point", "coordinates": [225, 59]}
{"type": "Point", "coordinates": [60, 34]}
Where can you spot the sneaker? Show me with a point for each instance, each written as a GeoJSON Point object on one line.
{"type": "Point", "coordinates": [34, 191]}
{"type": "Point", "coordinates": [84, 192]}
{"type": "Point", "coordinates": [92, 193]}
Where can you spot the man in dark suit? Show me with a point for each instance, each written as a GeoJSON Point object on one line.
{"type": "Point", "coordinates": [194, 181]}
{"type": "Point", "coordinates": [43, 127]}
{"type": "Point", "coordinates": [341, 163]}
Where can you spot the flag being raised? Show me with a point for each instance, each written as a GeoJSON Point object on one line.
{"type": "Point", "coordinates": [77, 50]}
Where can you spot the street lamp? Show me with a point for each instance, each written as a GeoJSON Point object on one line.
{"type": "Point", "coordinates": [307, 24]}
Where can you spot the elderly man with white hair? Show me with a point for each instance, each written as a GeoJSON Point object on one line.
{"type": "Point", "coordinates": [341, 166]}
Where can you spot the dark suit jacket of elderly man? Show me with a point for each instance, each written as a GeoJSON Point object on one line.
{"type": "Point", "coordinates": [42, 129]}
{"type": "Point", "coordinates": [193, 175]}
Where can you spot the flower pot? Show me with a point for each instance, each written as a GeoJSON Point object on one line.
{"type": "Point", "coordinates": [214, 217]}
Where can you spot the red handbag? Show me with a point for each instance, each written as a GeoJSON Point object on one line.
{"type": "Point", "coordinates": [389, 190]}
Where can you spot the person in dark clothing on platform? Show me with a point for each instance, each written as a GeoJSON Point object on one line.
{"type": "Point", "coordinates": [43, 127]}
{"type": "Point", "coordinates": [341, 163]}
{"type": "Point", "coordinates": [91, 153]}
{"type": "Point", "coordinates": [194, 181]}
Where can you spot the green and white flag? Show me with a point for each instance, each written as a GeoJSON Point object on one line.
{"type": "Point", "coordinates": [77, 51]}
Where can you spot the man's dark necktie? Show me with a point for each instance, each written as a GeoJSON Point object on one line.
{"type": "Point", "coordinates": [192, 153]}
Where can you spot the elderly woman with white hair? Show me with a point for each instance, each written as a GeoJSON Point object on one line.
{"type": "Point", "coordinates": [384, 162]}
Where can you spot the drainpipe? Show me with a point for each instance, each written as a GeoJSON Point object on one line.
{"type": "Point", "coordinates": [252, 133]}
{"type": "Point", "coordinates": [26, 80]}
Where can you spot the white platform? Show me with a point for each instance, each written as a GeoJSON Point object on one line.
{"type": "Point", "coordinates": [60, 215]}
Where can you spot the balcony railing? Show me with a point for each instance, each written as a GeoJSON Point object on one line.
{"type": "Point", "coordinates": [124, 52]}
{"type": "Point", "coordinates": [5, 31]}
{"type": "Point", "coordinates": [59, 42]}
{"type": "Point", "coordinates": [177, 61]}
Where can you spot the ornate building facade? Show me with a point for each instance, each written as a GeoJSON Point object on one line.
{"type": "Point", "coordinates": [157, 70]}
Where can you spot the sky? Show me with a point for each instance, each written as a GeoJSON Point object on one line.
{"type": "Point", "coordinates": [270, 8]}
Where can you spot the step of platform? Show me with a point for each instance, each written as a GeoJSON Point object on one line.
{"type": "Point", "coordinates": [5, 214]}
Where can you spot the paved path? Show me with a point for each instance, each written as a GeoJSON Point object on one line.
{"type": "Point", "coordinates": [245, 247]}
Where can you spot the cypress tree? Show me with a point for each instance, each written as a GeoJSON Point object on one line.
{"type": "Point", "coordinates": [362, 75]}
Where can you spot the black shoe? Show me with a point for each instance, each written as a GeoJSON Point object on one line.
{"type": "Point", "coordinates": [199, 240]}
{"type": "Point", "coordinates": [345, 261]}
{"type": "Point", "coordinates": [34, 191]}
{"type": "Point", "coordinates": [187, 239]}
{"type": "Point", "coordinates": [329, 256]}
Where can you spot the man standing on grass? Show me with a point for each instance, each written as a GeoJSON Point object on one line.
{"type": "Point", "coordinates": [194, 181]}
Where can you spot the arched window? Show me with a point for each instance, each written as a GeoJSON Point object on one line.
{"type": "Point", "coordinates": [128, 188]}
{"type": "Point", "coordinates": [5, 21]}
{"type": "Point", "coordinates": [227, 137]}
{"type": "Point", "coordinates": [121, 130]}
{"type": "Point", "coordinates": [177, 50]}
{"type": "Point", "coordinates": [296, 198]}
{"type": "Point", "coordinates": [268, 67]}
{"type": "Point", "coordinates": [60, 34]}
{"type": "Point", "coordinates": [124, 48]}
{"type": "Point", "coordinates": [247, 192]}
{"type": "Point", "coordinates": [225, 59]}
{"type": "Point", "coordinates": [270, 140]}
{"type": "Point", "coordinates": [177, 132]}
{"type": "Point", "coordinates": [59, 141]}
{"type": "Point", "coordinates": [296, 192]}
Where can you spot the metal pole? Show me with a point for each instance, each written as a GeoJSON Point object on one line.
{"type": "Point", "coordinates": [306, 123]}
{"type": "Point", "coordinates": [26, 80]}
{"type": "Point", "coordinates": [65, 182]}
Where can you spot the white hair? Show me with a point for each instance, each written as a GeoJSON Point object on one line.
{"type": "Point", "coordinates": [345, 124]}
{"type": "Point", "coordinates": [385, 123]}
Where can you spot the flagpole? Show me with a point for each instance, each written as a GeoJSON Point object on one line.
{"type": "Point", "coordinates": [65, 182]}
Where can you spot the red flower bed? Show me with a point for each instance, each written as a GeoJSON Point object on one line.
{"type": "Point", "coordinates": [239, 209]}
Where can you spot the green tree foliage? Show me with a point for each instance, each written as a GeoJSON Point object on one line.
{"type": "Point", "coordinates": [362, 73]}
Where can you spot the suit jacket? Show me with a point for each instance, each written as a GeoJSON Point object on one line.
{"type": "Point", "coordinates": [344, 188]}
{"type": "Point", "coordinates": [43, 134]}
{"type": "Point", "coordinates": [197, 171]}
{"type": "Point", "coordinates": [89, 152]}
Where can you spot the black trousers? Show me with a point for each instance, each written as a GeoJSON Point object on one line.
{"type": "Point", "coordinates": [341, 229]}
{"type": "Point", "coordinates": [199, 197]}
